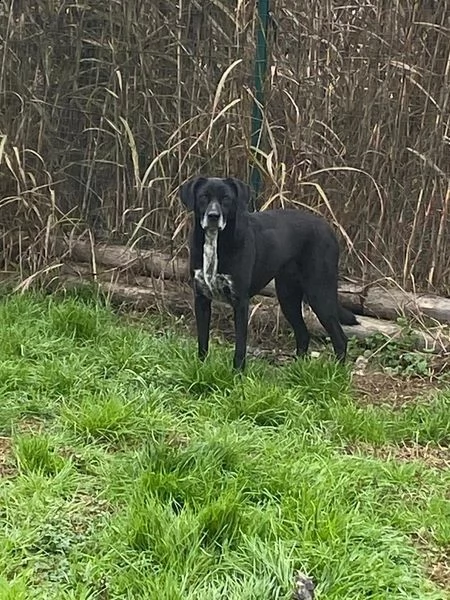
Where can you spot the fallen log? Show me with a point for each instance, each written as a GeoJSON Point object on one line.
{"type": "Point", "coordinates": [389, 303]}
{"type": "Point", "coordinates": [348, 291]}
{"type": "Point", "coordinates": [143, 262]}
{"type": "Point", "coordinates": [156, 264]}
{"type": "Point", "coordinates": [146, 293]}
{"type": "Point", "coordinates": [375, 301]}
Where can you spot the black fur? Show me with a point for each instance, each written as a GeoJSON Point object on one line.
{"type": "Point", "coordinates": [296, 248]}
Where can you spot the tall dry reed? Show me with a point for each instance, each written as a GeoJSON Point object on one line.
{"type": "Point", "coordinates": [106, 106]}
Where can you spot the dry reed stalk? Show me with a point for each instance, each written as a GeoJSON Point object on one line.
{"type": "Point", "coordinates": [106, 107]}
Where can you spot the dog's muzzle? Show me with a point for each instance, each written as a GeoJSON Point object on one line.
{"type": "Point", "coordinates": [213, 217]}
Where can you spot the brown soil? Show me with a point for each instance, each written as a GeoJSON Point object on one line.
{"type": "Point", "coordinates": [439, 569]}
{"type": "Point", "coordinates": [7, 463]}
{"type": "Point", "coordinates": [437, 562]}
{"type": "Point", "coordinates": [433, 456]}
{"type": "Point", "coordinates": [378, 388]}
{"type": "Point", "coordinates": [30, 425]}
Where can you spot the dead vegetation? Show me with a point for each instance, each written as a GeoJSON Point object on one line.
{"type": "Point", "coordinates": [434, 457]}
{"type": "Point", "coordinates": [377, 388]}
{"type": "Point", "coordinates": [105, 107]}
{"type": "Point", "coordinates": [7, 465]}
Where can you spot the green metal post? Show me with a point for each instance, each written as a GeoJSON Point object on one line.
{"type": "Point", "coordinates": [260, 75]}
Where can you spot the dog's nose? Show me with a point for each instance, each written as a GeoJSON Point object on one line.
{"type": "Point", "coordinates": [213, 215]}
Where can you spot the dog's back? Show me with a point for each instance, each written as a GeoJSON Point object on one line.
{"type": "Point", "coordinates": [286, 235]}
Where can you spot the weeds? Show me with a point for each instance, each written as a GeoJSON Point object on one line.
{"type": "Point", "coordinates": [396, 356]}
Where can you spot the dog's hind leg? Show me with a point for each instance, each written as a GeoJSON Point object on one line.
{"type": "Point", "coordinates": [323, 300]}
{"type": "Point", "coordinates": [290, 295]}
{"type": "Point", "coordinates": [333, 327]}
{"type": "Point", "coordinates": [202, 306]}
{"type": "Point", "coordinates": [319, 273]}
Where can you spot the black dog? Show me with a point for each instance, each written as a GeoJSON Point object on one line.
{"type": "Point", "coordinates": [234, 254]}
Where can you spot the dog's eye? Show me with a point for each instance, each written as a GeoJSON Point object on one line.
{"type": "Point", "coordinates": [202, 201]}
{"type": "Point", "coordinates": [226, 200]}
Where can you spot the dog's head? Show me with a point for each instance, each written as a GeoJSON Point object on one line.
{"type": "Point", "coordinates": [215, 201]}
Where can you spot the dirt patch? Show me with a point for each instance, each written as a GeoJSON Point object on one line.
{"type": "Point", "coordinates": [30, 425]}
{"type": "Point", "coordinates": [7, 463]}
{"type": "Point", "coordinates": [439, 571]}
{"type": "Point", "coordinates": [89, 510]}
{"type": "Point", "coordinates": [177, 440]}
{"type": "Point", "coordinates": [437, 561]}
{"type": "Point", "coordinates": [378, 388]}
{"type": "Point", "coordinates": [436, 457]}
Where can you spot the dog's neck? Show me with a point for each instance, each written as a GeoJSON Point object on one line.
{"type": "Point", "coordinates": [210, 257]}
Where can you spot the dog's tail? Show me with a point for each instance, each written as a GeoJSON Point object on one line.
{"type": "Point", "coordinates": [346, 317]}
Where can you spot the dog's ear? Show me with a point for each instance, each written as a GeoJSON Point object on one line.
{"type": "Point", "coordinates": [242, 190]}
{"type": "Point", "coordinates": [188, 191]}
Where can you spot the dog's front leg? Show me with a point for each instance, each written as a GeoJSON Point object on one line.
{"type": "Point", "coordinates": [240, 328]}
{"type": "Point", "coordinates": [203, 317]}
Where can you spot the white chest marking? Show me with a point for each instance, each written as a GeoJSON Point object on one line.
{"type": "Point", "coordinates": [213, 284]}
{"type": "Point", "coordinates": [210, 259]}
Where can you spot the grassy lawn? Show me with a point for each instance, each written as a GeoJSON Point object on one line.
{"type": "Point", "coordinates": [128, 470]}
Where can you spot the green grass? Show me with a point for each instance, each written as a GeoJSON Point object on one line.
{"type": "Point", "coordinates": [133, 471]}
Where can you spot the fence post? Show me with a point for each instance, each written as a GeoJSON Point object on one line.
{"type": "Point", "coordinates": [258, 103]}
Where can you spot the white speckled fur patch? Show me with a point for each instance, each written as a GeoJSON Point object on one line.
{"type": "Point", "coordinates": [210, 259]}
